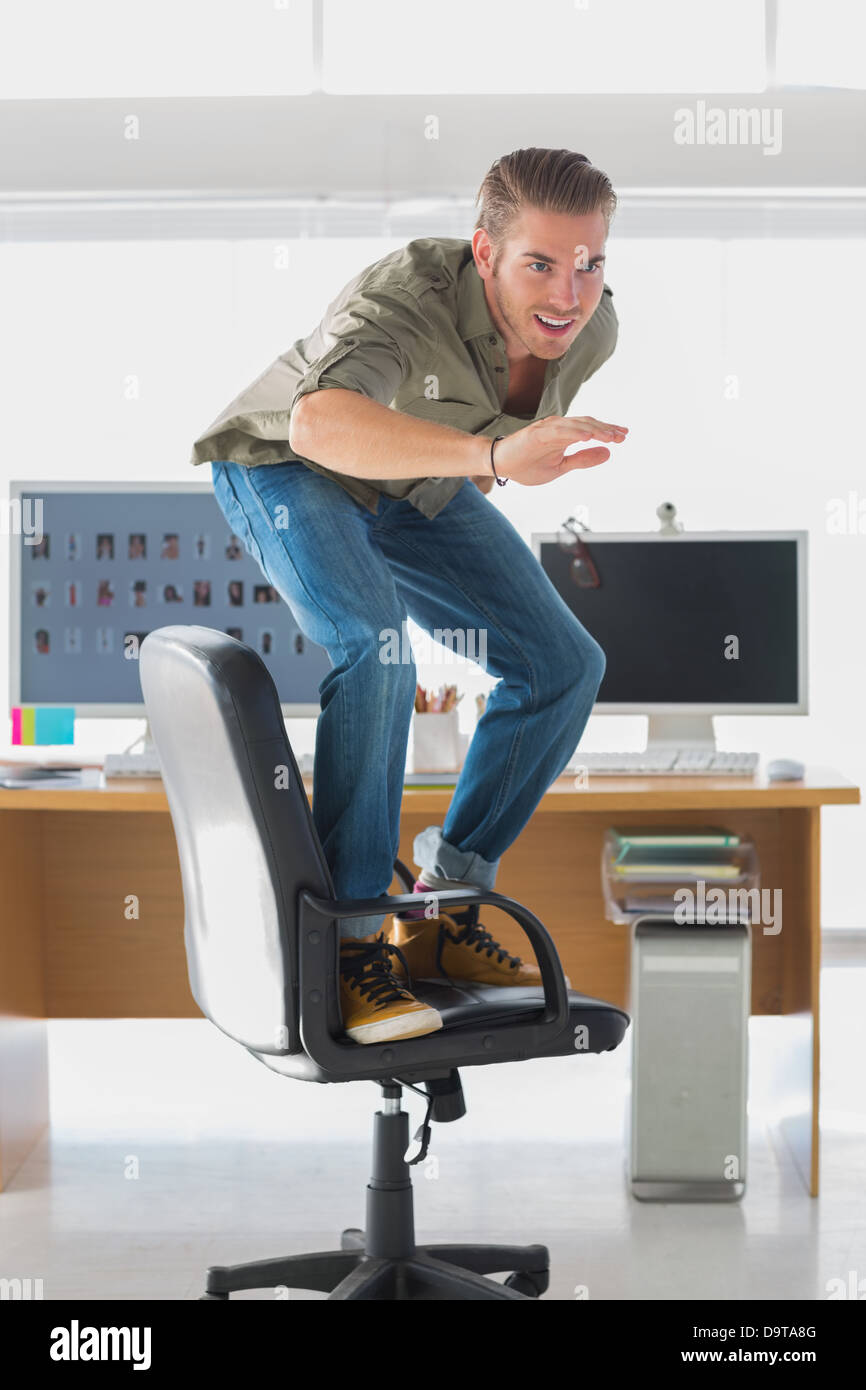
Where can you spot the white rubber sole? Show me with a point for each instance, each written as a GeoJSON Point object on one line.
{"type": "Point", "coordinates": [412, 1025]}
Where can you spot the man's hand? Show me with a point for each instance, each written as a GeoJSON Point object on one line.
{"type": "Point", "coordinates": [536, 454]}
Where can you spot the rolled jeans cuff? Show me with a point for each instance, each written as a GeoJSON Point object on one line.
{"type": "Point", "coordinates": [444, 866]}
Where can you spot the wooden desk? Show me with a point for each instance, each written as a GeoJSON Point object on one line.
{"type": "Point", "coordinates": [69, 861]}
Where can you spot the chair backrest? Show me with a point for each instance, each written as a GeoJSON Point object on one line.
{"type": "Point", "coordinates": [245, 835]}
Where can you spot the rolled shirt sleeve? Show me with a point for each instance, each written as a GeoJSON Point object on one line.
{"type": "Point", "coordinates": [372, 353]}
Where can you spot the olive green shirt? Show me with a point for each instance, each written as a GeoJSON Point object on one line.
{"type": "Point", "coordinates": [412, 331]}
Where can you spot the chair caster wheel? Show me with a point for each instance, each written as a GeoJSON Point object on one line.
{"type": "Point", "coordinates": [352, 1239]}
{"type": "Point", "coordinates": [531, 1282]}
{"type": "Point", "coordinates": [216, 1297]}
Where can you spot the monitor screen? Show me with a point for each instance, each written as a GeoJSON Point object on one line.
{"type": "Point", "coordinates": [702, 620]}
{"type": "Point", "coordinates": [111, 564]}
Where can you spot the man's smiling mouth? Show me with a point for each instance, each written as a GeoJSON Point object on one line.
{"type": "Point", "coordinates": [555, 327]}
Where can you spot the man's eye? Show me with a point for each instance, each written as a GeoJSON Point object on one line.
{"type": "Point", "coordinates": [593, 265]}
{"type": "Point", "coordinates": [533, 264]}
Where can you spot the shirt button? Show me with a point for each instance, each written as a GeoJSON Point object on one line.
{"type": "Point", "coordinates": [492, 339]}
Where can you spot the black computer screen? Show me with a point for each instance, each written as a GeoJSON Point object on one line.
{"type": "Point", "coordinates": [689, 621]}
{"type": "Point", "coordinates": [112, 564]}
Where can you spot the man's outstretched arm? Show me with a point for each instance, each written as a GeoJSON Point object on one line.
{"type": "Point", "coordinates": [350, 433]}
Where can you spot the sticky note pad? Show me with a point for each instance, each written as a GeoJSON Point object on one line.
{"type": "Point", "coordinates": [23, 724]}
{"type": "Point", "coordinates": [54, 725]}
{"type": "Point", "coordinates": [43, 724]}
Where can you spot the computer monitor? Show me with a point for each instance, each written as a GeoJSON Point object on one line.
{"type": "Point", "coordinates": [118, 559]}
{"type": "Point", "coordinates": [692, 625]}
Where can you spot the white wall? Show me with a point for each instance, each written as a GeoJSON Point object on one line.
{"type": "Point", "coordinates": [192, 322]}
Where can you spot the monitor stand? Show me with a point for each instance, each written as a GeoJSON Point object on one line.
{"type": "Point", "coordinates": [143, 745]}
{"type": "Point", "coordinates": [690, 731]}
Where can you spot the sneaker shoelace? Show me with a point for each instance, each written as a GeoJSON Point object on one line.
{"type": "Point", "coordinates": [367, 965]}
{"type": "Point", "coordinates": [471, 933]}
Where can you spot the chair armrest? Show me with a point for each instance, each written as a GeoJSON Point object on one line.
{"type": "Point", "coordinates": [318, 958]}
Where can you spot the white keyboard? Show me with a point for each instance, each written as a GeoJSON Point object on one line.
{"type": "Point", "coordinates": [132, 765]}
{"type": "Point", "coordinates": [677, 762]}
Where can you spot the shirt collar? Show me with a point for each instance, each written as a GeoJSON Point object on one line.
{"type": "Point", "coordinates": [473, 315]}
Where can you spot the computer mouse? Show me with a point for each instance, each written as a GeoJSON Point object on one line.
{"type": "Point", "coordinates": [785, 770]}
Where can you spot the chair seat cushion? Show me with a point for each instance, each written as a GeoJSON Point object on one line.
{"type": "Point", "coordinates": [601, 1025]}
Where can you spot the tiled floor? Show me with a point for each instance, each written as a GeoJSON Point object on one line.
{"type": "Point", "coordinates": [172, 1149]}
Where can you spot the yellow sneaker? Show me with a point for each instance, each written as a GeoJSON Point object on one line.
{"type": "Point", "coordinates": [456, 946]}
{"type": "Point", "coordinates": [375, 1005]}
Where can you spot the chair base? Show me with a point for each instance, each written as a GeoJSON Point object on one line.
{"type": "Point", "coordinates": [384, 1262]}
{"type": "Point", "coordinates": [431, 1272]}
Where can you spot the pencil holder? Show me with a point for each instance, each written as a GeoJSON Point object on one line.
{"type": "Point", "coordinates": [436, 742]}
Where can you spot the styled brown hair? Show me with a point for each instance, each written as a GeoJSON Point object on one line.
{"type": "Point", "coordinates": [550, 180]}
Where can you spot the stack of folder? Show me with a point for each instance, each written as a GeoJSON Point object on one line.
{"type": "Point", "coordinates": [646, 869]}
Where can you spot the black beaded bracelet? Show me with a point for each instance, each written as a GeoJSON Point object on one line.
{"type": "Point", "coordinates": [500, 481]}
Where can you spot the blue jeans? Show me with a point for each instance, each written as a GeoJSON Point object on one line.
{"type": "Point", "coordinates": [347, 575]}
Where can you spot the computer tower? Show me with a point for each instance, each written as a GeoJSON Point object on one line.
{"type": "Point", "coordinates": [690, 999]}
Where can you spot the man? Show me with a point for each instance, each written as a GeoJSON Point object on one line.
{"type": "Point", "coordinates": [345, 470]}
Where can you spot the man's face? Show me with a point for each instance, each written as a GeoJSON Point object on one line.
{"type": "Point", "coordinates": [551, 266]}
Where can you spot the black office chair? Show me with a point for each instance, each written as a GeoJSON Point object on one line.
{"type": "Point", "coordinates": [263, 951]}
